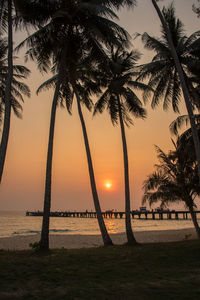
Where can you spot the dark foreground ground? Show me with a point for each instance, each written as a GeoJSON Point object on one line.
{"type": "Point", "coordinates": [149, 271]}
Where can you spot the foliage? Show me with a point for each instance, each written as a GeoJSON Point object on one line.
{"type": "Point", "coordinates": [35, 246]}
{"type": "Point", "coordinates": [161, 71]}
{"type": "Point", "coordinates": [19, 88]}
{"type": "Point", "coordinates": [90, 21]}
{"type": "Point", "coordinates": [175, 178]}
{"type": "Point", "coordinates": [118, 82]}
{"type": "Point", "coordinates": [82, 70]}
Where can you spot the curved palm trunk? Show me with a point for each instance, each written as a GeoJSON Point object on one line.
{"type": "Point", "coordinates": [105, 236]}
{"type": "Point", "coordinates": [44, 241]}
{"type": "Point", "coordinates": [130, 236]}
{"type": "Point", "coordinates": [194, 220]}
{"type": "Point", "coordinates": [183, 85]}
{"type": "Point", "coordinates": [7, 114]}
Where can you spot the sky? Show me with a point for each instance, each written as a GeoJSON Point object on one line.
{"type": "Point", "coordinates": [22, 187]}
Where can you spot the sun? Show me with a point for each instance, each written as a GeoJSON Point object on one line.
{"type": "Point", "coordinates": [108, 185]}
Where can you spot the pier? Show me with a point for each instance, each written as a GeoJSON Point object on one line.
{"type": "Point", "coordinates": [141, 215]}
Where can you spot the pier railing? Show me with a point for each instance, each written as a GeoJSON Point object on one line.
{"type": "Point", "coordinates": [146, 215]}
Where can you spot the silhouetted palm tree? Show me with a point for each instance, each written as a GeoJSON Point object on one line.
{"type": "Point", "coordinates": [121, 101]}
{"type": "Point", "coordinates": [175, 180]}
{"type": "Point", "coordinates": [171, 66]}
{"type": "Point", "coordinates": [52, 43]}
{"type": "Point", "coordinates": [6, 24]}
{"type": "Point", "coordinates": [78, 81]}
{"type": "Point", "coordinates": [7, 10]}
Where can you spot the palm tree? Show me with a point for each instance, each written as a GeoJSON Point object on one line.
{"type": "Point", "coordinates": [175, 180]}
{"type": "Point", "coordinates": [18, 89]}
{"type": "Point", "coordinates": [169, 69]}
{"type": "Point", "coordinates": [52, 43]}
{"type": "Point", "coordinates": [78, 82]}
{"type": "Point", "coordinates": [121, 101]}
{"type": "Point", "coordinates": [6, 25]}
{"type": "Point", "coordinates": [82, 93]}
{"type": "Point", "coordinates": [6, 14]}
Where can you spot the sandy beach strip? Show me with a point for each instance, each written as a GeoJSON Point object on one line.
{"type": "Point", "coordinates": [89, 241]}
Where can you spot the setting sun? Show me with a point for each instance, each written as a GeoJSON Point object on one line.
{"type": "Point", "coordinates": [108, 185]}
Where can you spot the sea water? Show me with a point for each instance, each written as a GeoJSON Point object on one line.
{"type": "Point", "coordinates": [14, 223]}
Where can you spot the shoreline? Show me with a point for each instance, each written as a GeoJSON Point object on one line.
{"type": "Point", "coordinates": [88, 241]}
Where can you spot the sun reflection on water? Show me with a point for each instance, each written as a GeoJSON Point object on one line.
{"type": "Point", "coordinates": [113, 226]}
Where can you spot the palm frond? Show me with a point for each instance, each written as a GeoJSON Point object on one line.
{"type": "Point", "coordinates": [16, 107]}
{"type": "Point", "coordinates": [113, 109]}
{"type": "Point", "coordinates": [21, 87]}
{"type": "Point", "coordinates": [102, 102]}
{"type": "Point", "coordinates": [155, 44]}
{"type": "Point", "coordinates": [134, 104]}
{"type": "Point", "coordinates": [178, 123]}
{"type": "Point", "coordinates": [66, 97]}
{"type": "Point", "coordinates": [47, 84]}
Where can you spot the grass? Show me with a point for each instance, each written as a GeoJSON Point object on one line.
{"type": "Point", "coordinates": [148, 271]}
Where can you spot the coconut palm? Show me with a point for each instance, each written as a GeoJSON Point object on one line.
{"type": "Point", "coordinates": [7, 10]}
{"type": "Point", "coordinates": [6, 14]}
{"type": "Point", "coordinates": [175, 180]}
{"type": "Point", "coordinates": [121, 101]}
{"type": "Point", "coordinates": [52, 43]}
{"type": "Point", "coordinates": [18, 90]}
{"type": "Point", "coordinates": [170, 67]}
{"type": "Point", "coordinates": [78, 81]}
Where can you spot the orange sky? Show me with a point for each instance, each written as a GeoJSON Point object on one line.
{"type": "Point", "coordinates": [23, 180]}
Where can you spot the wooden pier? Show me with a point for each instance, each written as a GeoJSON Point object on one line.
{"type": "Point", "coordinates": [141, 215]}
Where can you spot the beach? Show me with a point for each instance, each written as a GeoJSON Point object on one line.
{"type": "Point", "coordinates": [88, 241]}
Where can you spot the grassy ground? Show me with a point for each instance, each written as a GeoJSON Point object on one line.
{"type": "Point", "coordinates": [151, 271]}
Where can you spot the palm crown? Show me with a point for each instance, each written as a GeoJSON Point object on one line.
{"type": "Point", "coordinates": [74, 18]}
{"type": "Point", "coordinates": [161, 72]}
{"type": "Point", "coordinates": [175, 178]}
{"type": "Point", "coordinates": [80, 71]}
{"type": "Point", "coordinates": [119, 87]}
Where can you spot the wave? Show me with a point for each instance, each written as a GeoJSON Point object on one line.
{"type": "Point", "coordinates": [60, 230]}
{"type": "Point", "coordinates": [26, 232]}
{"type": "Point", "coordinates": [39, 231]}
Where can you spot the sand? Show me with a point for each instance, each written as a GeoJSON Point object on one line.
{"type": "Point", "coordinates": [88, 241]}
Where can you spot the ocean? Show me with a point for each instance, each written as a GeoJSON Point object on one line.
{"type": "Point", "coordinates": [13, 223]}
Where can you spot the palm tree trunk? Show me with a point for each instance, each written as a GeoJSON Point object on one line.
{"type": "Point", "coordinates": [105, 236]}
{"type": "Point", "coordinates": [7, 114]}
{"type": "Point", "coordinates": [183, 85]}
{"type": "Point", "coordinates": [194, 219]}
{"type": "Point", "coordinates": [44, 241]}
{"type": "Point", "coordinates": [130, 236]}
